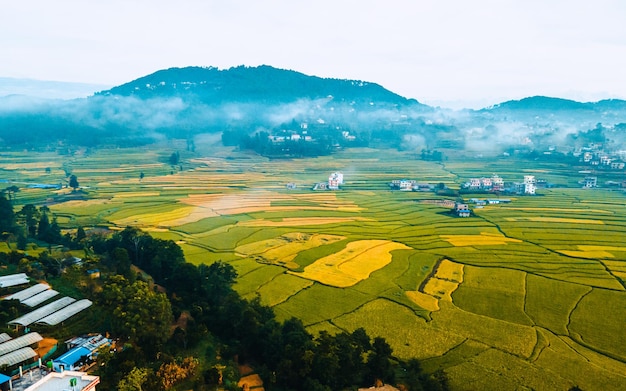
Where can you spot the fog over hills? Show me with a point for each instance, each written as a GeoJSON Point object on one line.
{"type": "Point", "coordinates": [241, 104]}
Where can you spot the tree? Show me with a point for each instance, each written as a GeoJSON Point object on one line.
{"type": "Point", "coordinates": [133, 380]}
{"type": "Point", "coordinates": [7, 216]}
{"type": "Point", "coordinates": [11, 190]}
{"type": "Point", "coordinates": [379, 363]}
{"type": "Point", "coordinates": [142, 314]}
{"type": "Point", "coordinates": [174, 158]}
{"type": "Point", "coordinates": [74, 182]}
{"type": "Point", "coordinates": [43, 227]}
{"type": "Point", "coordinates": [30, 214]}
{"type": "Point", "coordinates": [80, 234]}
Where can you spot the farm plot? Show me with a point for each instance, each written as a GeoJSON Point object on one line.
{"type": "Point", "coordinates": [484, 239]}
{"type": "Point", "coordinates": [444, 280]}
{"type": "Point", "coordinates": [580, 366]}
{"type": "Point", "coordinates": [416, 338]}
{"type": "Point", "coordinates": [549, 303]}
{"type": "Point", "coordinates": [494, 292]}
{"type": "Point", "coordinates": [497, 370]}
{"type": "Point", "coordinates": [353, 264]}
{"type": "Point", "coordinates": [284, 249]}
{"type": "Point", "coordinates": [513, 338]}
{"type": "Point", "coordinates": [598, 322]}
{"type": "Point", "coordinates": [320, 303]}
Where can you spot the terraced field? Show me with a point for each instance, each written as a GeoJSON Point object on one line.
{"type": "Point", "coordinates": [527, 294]}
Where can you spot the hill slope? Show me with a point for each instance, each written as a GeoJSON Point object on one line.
{"type": "Point", "coordinates": [264, 84]}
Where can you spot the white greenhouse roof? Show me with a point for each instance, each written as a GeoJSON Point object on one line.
{"type": "Point", "coordinates": [7, 282]}
{"type": "Point", "coordinates": [28, 292]}
{"type": "Point", "coordinates": [40, 298]}
{"type": "Point", "coordinates": [61, 315]}
{"type": "Point", "coordinates": [17, 356]}
{"type": "Point", "coordinates": [42, 312]}
{"type": "Point", "coordinates": [19, 342]}
{"type": "Point", "coordinates": [4, 337]}
{"type": "Point", "coordinates": [12, 276]}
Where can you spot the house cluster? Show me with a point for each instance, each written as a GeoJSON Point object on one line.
{"type": "Point", "coordinates": [595, 155]}
{"type": "Point", "coordinates": [495, 184]}
{"type": "Point", "coordinates": [334, 181]}
{"type": "Point", "coordinates": [291, 136]}
{"type": "Point", "coordinates": [410, 185]}
{"type": "Point", "coordinates": [21, 358]}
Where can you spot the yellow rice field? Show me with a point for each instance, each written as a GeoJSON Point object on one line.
{"type": "Point", "coordinates": [593, 252]}
{"type": "Point", "coordinates": [484, 239]}
{"type": "Point", "coordinates": [353, 264]}
{"type": "Point", "coordinates": [446, 279]}
{"type": "Point", "coordinates": [555, 220]}
{"type": "Point", "coordinates": [448, 270]}
{"type": "Point", "coordinates": [441, 289]}
{"type": "Point", "coordinates": [30, 165]}
{"type": "Point", "coordinates": [426, 301]}
{"type": "Point", "coordinates": [567, 210]}
{"type": "Point", "coordinates": [284, 249]}
{"type": "Point", "coordinates": [137, 194]}
{"type": "Point", "coordinates": [161, 219]}
{"type": "Point", "coordinates": [231, 204]}
{"type": "Point", "coordinates": [298, 222]}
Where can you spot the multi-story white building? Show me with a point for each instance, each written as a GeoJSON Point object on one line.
{"type": "Point", "coordinates": [334, 180]}
{"type": "Point", "coordinates": [530, 184]}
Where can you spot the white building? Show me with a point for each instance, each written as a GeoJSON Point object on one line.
{"type": "Point", "coordinates": [66, 380]}
{"type": "Point", "coordinates": [334, 180]}
{"type": "Point", "coordinates": [590, 181]}
{"type": "Point", "coordinates": [530, 184]}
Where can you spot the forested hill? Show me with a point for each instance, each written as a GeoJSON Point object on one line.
{"type": "Point", "coordinates": [263, 84]}
{"type": "Point", "coordinates": [550, 104]}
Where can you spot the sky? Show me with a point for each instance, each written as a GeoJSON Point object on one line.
{"type": "Point", "coordinates": [451, 53]}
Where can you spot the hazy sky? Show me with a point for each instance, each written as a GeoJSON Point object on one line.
{"type": "Point", "coordinates": [448, 52]}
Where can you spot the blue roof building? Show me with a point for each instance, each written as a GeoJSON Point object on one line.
{"type": "Point", "coordinates": [69, 360]}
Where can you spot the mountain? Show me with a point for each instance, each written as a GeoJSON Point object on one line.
{"type": "Point", "coordinates": [267, 109]}
{"type": "Point", "coordinates": [47, 89]}
{"type": "Point", "coordinates": [541, 103]}
{"type": "Point", "coordinates": [262, 84]}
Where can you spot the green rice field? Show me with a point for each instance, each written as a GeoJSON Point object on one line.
{"type": "Point", "coordinates": [539, 301]}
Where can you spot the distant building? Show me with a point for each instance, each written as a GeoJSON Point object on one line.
{"type": "Point", "coordinates": [530, 184]}
{"type": "Point", "coordinates": [589, 182]}
{"type": "Point", "coordinates": [403, 184]}
{"type": "Point", "coordinates": [291, 186]}
{"type": "Point", "coordinates": [321, 186]}
{"type": "Point", "coordinates": [497, 183]}
{"type": "Point", "coordinates": [462, 210]}
{"type": "Point", "coordinates": [334, 180]}
{"type": "Point", "coordinates": [423, 187]}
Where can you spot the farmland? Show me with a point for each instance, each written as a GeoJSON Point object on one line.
{"type": "Point", "coordinates": [529, 292]}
